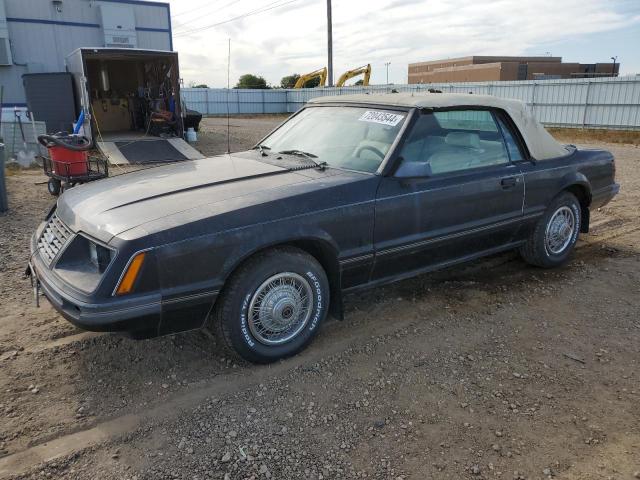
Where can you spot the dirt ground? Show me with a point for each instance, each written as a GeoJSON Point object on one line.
{"type": "Point", "coordinates": [489, 370]}
{"type": "Point", "coordinates": [245, 132]}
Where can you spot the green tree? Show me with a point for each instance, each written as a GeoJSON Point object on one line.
{"type": "Point", "coordinates": [289, 81]}
{"type": "Point", "coordinates": [359, 82]}
{"type": "Point", "coordinates": [251, 81]}
{"type": "Point", "coordinates": [201, 85]}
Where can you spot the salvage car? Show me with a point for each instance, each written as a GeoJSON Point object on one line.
{"type": "Point", "coordinates": [351, 192]}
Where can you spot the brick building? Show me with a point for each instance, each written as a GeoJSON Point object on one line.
{"type": "Point", "coordinates": [490, 68]}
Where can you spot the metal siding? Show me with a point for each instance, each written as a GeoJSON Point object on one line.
{"type": "Point", "coordinates": [72, 10]}
{"type": "Point", "coordinates": [29, 44]}
{"type": "Point", "coordinates": [82, 11]}
{"type": "Point", "coordinates": [594, 103]}
{"type": "Point", "coordinates": [11, 79]}
{"type": "Point", "coordinates": [151, 16]}
{"type": "Point", "coordinates": [153, 40]}
{"type": "Point", "coordinates": [49, 44]}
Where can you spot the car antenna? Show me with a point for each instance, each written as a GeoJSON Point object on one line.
{"type": "Point", "coordinates": [228, 88]}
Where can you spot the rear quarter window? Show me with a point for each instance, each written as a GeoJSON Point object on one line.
{"type": "Point", "coordinates": [479, 120]}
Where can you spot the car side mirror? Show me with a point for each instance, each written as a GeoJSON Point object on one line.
{"type": "Point", "coordinates": [414, 170]}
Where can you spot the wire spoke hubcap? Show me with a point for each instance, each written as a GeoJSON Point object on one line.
{"type": "Point", "coordinates": [280, 308]}
{"type": "Point", "coordinates": [560, 230]}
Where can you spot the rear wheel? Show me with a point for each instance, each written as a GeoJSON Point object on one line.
{"type": "Point", "coordinates": [273, 306]}
{"type": "Point", "coordinates": [556, 233]}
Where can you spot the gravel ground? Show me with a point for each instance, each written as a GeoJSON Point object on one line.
{"type": "Point", "coordinates": [245, 132]}
{"type": "Point", "coordinates": [489, 370]}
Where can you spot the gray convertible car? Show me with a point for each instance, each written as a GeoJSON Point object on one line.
{"type": "Point", "coordinates": [349, 193]}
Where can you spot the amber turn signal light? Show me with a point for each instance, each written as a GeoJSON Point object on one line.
{"type": "Point", "coordinates": [129, 277]}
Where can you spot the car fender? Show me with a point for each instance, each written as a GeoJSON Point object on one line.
{"type": "Point", "coordinates": [315, 241]}
{"type": "Point", "coordinates": [270, 238]}
{"type": "Point", "coordinates": [576, 179]}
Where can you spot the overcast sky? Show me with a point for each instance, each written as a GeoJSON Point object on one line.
{"type": "Point", "coordinates": [280, 37]}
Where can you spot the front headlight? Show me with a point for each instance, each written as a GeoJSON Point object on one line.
{"type": "Point", "coordinates": [84, 262]}
{"type": "Point", "coordinates": [100, 256]}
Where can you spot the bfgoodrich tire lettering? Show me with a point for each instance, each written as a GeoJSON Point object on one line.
{"type": "Point", "coordinates": [273, 305]}
{"type": "Point", "coordinates": [556, 233]}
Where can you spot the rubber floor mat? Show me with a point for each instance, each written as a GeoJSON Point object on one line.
{"type": "Point", "coordinates": [149, 151]}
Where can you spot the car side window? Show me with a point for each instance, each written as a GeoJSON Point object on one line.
{"type": "Point", "coordinates": [455, 140]}
{"type": "Point", "coordinates": [512, 145]}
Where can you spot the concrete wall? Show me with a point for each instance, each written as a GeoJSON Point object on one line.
{"type": "Point", "coordinates": [41, 37]}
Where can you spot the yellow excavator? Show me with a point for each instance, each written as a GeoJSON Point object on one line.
{"type": "Point", "coordinates": [322, 73]}
{"type": "Point", "coordinates": [365, 69]}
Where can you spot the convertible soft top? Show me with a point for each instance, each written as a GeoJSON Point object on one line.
{"type": "Point", "coordinates": [541, 144]}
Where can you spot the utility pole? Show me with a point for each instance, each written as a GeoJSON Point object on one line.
{"type": "Point", "coordinates": [330, 45]}
{"type": "Point", "coordinates": [613, 67]}
{"type": "Point", "coordinates": [387, 65]}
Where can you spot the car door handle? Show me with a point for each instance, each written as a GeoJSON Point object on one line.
{"type": "Point", "coordinates": [509, 182]}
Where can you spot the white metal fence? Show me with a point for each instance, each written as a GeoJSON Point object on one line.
{"type": "Point", "coordinates": [592, 103]}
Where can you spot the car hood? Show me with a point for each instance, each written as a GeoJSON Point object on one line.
{"type": "Point", "coordinates": [114, 205]}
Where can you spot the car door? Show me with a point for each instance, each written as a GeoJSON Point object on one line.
{"type": "Point", "coordinates": [454, 195]}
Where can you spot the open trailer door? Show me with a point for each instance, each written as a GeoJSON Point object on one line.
{"type": "Point", "coordinates": [130, 99]}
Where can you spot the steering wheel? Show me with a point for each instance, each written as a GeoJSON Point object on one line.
{"type": "Point", "coordinates": [371, 149]}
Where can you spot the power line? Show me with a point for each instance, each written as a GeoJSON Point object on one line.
{"type": "Point", "coordinates": [246, 14]}
{"type": "Point", "coordinates": [266, 8]}
{"type": "Point", "coordinates": [187, 21]}
{"type": "Point", "coordinates": [201, 7]}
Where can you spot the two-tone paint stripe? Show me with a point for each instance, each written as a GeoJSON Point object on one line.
{"type": "Point", "coordinates": [348, 262]}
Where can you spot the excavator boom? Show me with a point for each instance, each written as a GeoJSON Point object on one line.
{"type": "Point", "coordinates": [365, 69]}
{"type": "Point", "coordinates": [322, 73]}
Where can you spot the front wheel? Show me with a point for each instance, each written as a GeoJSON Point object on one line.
{"type": "Point", "coordinates": [556, 233]}
{"type": "Point", "coordinates": [273, 306]}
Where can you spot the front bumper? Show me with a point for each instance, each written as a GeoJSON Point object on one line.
{"type": "Point", "coordinates": [140, 316]}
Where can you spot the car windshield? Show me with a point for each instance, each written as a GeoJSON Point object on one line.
{"type": "Point", "coordinates": [355, 138]}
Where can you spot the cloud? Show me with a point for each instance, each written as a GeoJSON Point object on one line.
{"type": "Point", "coordinates": [292, 38]}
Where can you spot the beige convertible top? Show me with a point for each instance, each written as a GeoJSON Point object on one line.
{"type": "Point", "coordinates": [540, 143]}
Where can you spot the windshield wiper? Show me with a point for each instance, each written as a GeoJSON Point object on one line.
{"type": "Point", "coordinates": [261, 149]}
{"type": "Point", "coordinates": [300, 153]}
{"type": "Point", "coordinates": [307, 155]}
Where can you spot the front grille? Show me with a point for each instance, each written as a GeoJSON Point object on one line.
{"type": "Point", "coordinates": [54, 236]}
